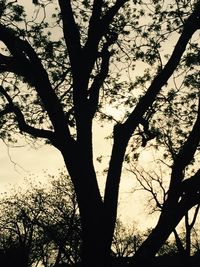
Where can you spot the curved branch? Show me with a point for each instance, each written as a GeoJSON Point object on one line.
{"type": "Point", "coordinates": [5, 111]}
{"type": "Point", "coordinates": [26, 63]}
{"type": "Point", "coordinates": [6, 63]}
{"type": "Point", "coordinates": [23, 126]}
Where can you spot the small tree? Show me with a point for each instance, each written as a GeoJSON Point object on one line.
{"type": "Point", "coordinates": [41, 225]}
{"type": "Point", "coordinates": [126, 240]}
{"type": "Point", "coordinates": [20, 238]}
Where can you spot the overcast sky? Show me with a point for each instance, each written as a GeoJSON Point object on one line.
{"type": "Point", "coordinates": [18, 164]}
{"type": "Point", "coordinates": [21, 162]}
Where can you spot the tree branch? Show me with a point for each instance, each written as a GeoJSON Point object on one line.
{"type": "Point", "coordinates": [195, 216]}
{"type": "Point", "coordinates": [23, 126]}
{"type": "Point", "coordinates": [97, 28]}
{"type": "Point", "coordinates": [108, 17]}
{"type": "Point", "coordinates": [98, 81]}
{"type": "Point", "coordinates": [26, 63]}
{"type": "Point", "coordinates": [123, 132]}
{"type": "Point", "coordinates": [189, 193]}
{"type": "Point", "coordinates": [179, 244]}
{"type": "Point", "coordinates": [71, 35]}
{"type": "Point", "coordinates": [188, 150]}
{"type": "Point", "coordinates": [96, 13]}
{"type": "Point", "coordinates": [6, 63]}
{"type": "Point", "coordinates": [126, 129]}
{"type": "Point", "coordinates": [183, 158]}
{"type": "Point", "coordinates": [192, 24]}
{"type": "Point", "coordinates": [191, 186]}
{"type": "Point", "coordinates": [5, 111]}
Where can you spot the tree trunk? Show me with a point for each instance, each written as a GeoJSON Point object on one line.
{"type": "Point", "coordinates": [179, 245]}
{"type": "Point", "coordinates": [188, 229]}
{"type": "Point", "coordinates": [95, 249]}
{"type": "Point", "coordinates": [166, 224]}
{"type": "Point", "coordinates": [95, 246]}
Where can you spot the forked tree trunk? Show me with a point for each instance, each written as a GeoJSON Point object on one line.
{"type": "Point", "coordinates": [96, 236]}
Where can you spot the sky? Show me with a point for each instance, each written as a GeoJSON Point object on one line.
{"type": "Point", "coordinates": [20, 163]}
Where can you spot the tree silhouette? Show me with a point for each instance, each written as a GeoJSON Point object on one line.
{"type": "Point", "coordinates": [40, 225]}
{"type": "Point", "coordinates": [126, 240]}
{"type": "Point", "coordinates": [155, 184]}
{"type": "Point", "coordinates": [63, 64]}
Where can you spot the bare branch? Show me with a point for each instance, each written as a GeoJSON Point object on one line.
{"type": "Point", "coordinates": [146, 181]}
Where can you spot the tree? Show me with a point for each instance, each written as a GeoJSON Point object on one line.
{"type": "Point", "coordinates": [60, 220]}
{"type": "Point", "coordinates": [57, 73]}
{"type": "Point", "coordinates": [40, 225]}
{"type": "Point", "coordinates": [20, 238]}
{"type": "Point", "coordinates": [155, 184]}
{"type": "Point", "coordinates": [43, 224]}
{"type": "Point", "coordinates": [126, 240]}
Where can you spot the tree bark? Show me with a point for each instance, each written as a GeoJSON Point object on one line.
{"type": "Point", "coordinates": [165, 226]}
{"type": "Point", "coordinates": [179, 245]}
{"type": "Point", "coordinates": [95, 250]}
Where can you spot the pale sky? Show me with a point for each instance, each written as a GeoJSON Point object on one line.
{"type": "Point", "coordinates": [20, 163]}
